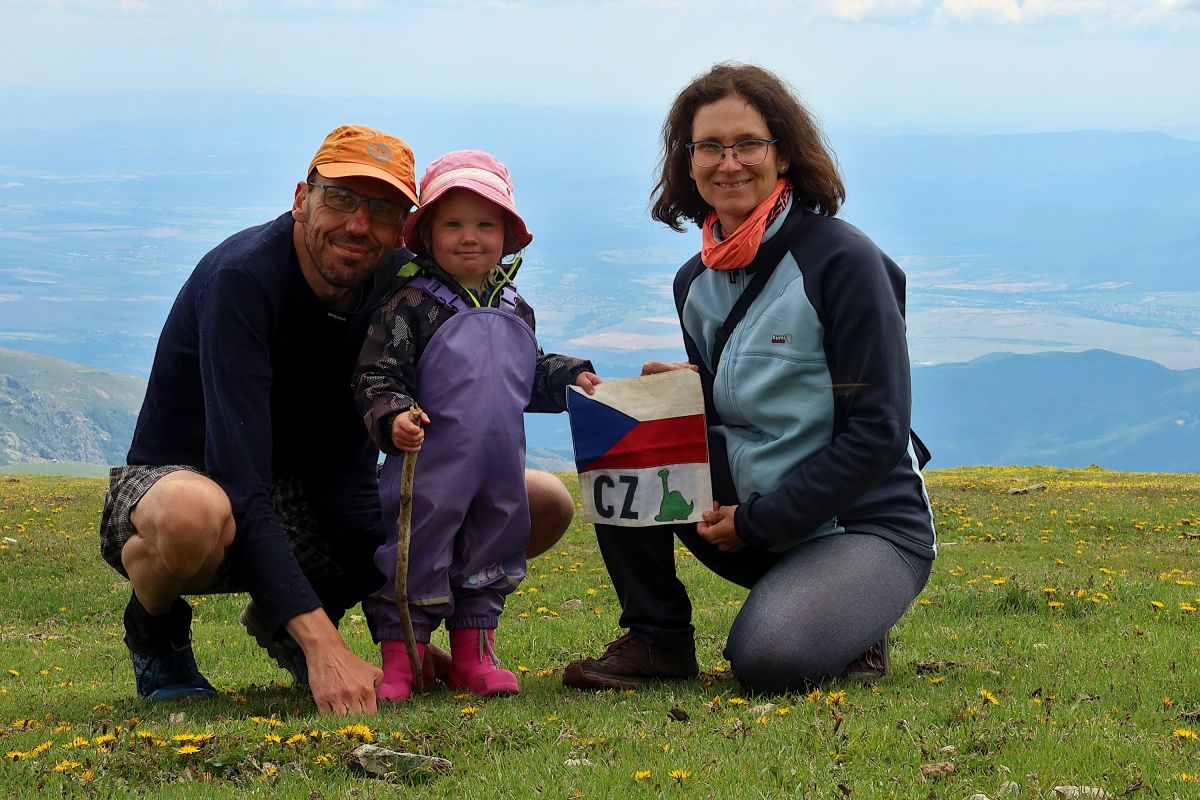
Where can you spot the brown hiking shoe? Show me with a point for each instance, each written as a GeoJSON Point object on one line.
{"type": "Point", "coordinates": [630, 663]}
{"type": "Point", "coordinates": [874, 663]}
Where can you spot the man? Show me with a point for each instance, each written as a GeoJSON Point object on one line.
{"type": "Point", "coordinates": [249, 468]}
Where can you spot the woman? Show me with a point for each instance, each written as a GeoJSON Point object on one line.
{"type": "Point", "coordinates": [821, 509]}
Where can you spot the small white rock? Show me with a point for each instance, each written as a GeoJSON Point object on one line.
{"type": "Point", "coordinates": [979, 796]}
{"type": "Point", "coordinates": [1007, 788]}
{"type": "Point", "coordinates": [8, 540]}
{"type": "Point", "coordinates": [571, 605]}
{"type": "Point", "coordinates": [1075, 792]}
{"type": "Point", "coordinates": [577, 762]}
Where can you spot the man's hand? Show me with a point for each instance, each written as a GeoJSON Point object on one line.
{"type": "Point", "coordinates": [717, 529]}
{"type": "Point", "coordinates": [655, 367]}
{"type": "Point", "coordinates": [407, 436]}
{"type": "Point", "coordinates": [341, 682]}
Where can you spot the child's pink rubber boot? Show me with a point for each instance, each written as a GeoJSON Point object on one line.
{"type": "Point", "coordinates": [473, 664]}
{"type": "Point", "coordinates": [397, 670]}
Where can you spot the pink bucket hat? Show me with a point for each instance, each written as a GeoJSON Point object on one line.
{"type": "Point", "coordinates": [475, 171]}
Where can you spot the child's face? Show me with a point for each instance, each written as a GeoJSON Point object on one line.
{"type": "Point", "coordinates": [467, 236]}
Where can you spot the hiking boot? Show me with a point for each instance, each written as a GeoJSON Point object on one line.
{"type": "Point", "coordinates": [171, 675]}
{"type": "Point", "coordinates": [285, 650]}
{"type": "Point", "coordinates": [875, 662]}
{"type": "Point", "coordinates": [630, 663]}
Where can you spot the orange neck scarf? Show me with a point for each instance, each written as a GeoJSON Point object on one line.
{"type": "Point", "coordinates": [739, 247]}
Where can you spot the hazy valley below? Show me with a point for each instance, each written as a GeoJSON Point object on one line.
{"type": "Point", "coordinates": [1021, 244]}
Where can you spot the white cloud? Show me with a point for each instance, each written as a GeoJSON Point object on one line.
{"type": "Point", "coordinates": [859, 10]}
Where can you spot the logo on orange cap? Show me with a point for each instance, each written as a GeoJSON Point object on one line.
{"type": "Point", "coordinates": [355, 151]}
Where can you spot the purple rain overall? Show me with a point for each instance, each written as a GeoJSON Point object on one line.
{"type": "Point", "coordinates": [470, 509]}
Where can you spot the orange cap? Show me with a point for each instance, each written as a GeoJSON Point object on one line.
{"type": "Point", "coordinates": [354, 151]}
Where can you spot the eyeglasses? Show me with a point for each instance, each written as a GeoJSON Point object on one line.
{"type": "Point", "coordinates": [383, 212]}
{"type": "Point", "coordinates": [747, 152]}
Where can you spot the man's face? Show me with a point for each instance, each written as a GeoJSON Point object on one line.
{"type": "Point", "coordinates": [346, 248]}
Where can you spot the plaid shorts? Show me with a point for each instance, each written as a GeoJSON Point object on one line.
{"type": "Point", "coordinates": [127, 486]}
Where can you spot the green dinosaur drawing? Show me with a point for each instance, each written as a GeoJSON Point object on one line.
{"type": "Point", "coordinates": [673, 506]}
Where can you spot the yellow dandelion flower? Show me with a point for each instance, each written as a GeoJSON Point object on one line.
{"type": "Point", "coordinates": [814, 695]}
{"type": "Point", "coordinates": [542, 609]}
{"type": "Point", "coordinates": [104, 738]}
{"type": "Point", "coordinates": [270, 770]}
{"type": "Point", "coordinates": [14, 673]}
{"type": "Point", "coordinates": [1184, 777]}
{"type": "Point", "coordinates": [641, 774]}
{"type": "Point", "coordinates": [836, 698]}
{"type": "Point", "coordinates": [63, 766]}
{"type": "Point", "coordinates": [988, 697]}
{"type": "Point", "coordinates": [782, 712]}
{"type": "Point", "coordinates": [999, 581]}
{"type": "Point", "coordinates": [1055, 604]}
{"type": "Point", "coordinates": [924, 601]}
{"type": "Point", "coordinates": [521, 668]}
{"type": "Point", "coordinates": [1187, 608]}
{"type": "Point", "coordinates": [79, 741]}
{"type": "Point", "coordinates": [552, 718]}
{"type": "Point", "coordinates": [680, 775]}
{"type": "Point", "coordinates": [1049, 590]}
{"type": "Point", "coordinates": [469, 711]}
{"type": "Point", "coordinates": [1157, 604]}
{"type": "Point", "coordinates": [1184, 733]}
{"type": "Point", "coordinates": [88, 775]}
{"type": "Point", "coordinates": [187, 750]}
{"type": "Point", "coordinates": [763, 720]}
{"type": "Point", "coordinates": [357, 732]}
{"type": "Point", "coordinates": [545, 673]}
{"type": "Point", "coordinates": [1168, 702]}
{"type": "Point", "coordinates": [591, 592]}
{"type": "Point", "coordinates": [273, 737]}
{"type": "Point", "coordinates": [736, 701]}
{"type": "Point", "coordinates": [296, 738]}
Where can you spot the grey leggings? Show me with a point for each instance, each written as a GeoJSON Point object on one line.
{"type": "Point", "coordinates": [810, 612]}
{"type": "Point", "coordinates": [820, 607]}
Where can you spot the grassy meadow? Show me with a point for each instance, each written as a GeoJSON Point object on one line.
{"type": "Point", "coordinates": [1056, 645]}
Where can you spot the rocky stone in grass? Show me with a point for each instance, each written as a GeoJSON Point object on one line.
{"type": "Point", "coordinates": [1077, 792]}
{"type": "Point", "coordinates": [381, 762]}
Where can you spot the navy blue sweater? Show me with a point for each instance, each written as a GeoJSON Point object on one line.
{"type": "Point", "coordinates": [251, 380]}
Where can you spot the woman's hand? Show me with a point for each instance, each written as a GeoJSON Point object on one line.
{"type": "Point", "coordinates": [588, 381]}
{"type": "Point", "coordinates": [407, 436]}
{"type": "Point", "coordinates": [655, 367]}
{"type": "Point", "coordinates": [717, 529]}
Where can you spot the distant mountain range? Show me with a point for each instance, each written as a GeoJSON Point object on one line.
{"type": "Point", "coordinates": [53, 410]}
{"type": "Point", "coordinates": [1062, 409]}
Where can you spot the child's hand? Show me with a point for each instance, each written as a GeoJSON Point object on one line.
{"type": "Point", "coordinates": [588, 381]}
{"type": "Point", "coordinates": [407, 436]}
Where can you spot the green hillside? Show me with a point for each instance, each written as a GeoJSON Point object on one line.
{"type": "Point", "coordinates": [57, 411]}
{"type": "Point", "coordinates": [1055, 646]}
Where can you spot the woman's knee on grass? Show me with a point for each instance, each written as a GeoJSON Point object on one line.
{"type": "Point", "coordinates": [767, 664]}
{"type": "Point", "coordinates": [185, 522]}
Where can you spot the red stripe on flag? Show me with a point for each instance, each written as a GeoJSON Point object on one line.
{"type": "Point", "coordinates": [657, 443]}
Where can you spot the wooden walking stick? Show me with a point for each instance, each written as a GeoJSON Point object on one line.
{"type": "Point", "coordinates": [404, 523]}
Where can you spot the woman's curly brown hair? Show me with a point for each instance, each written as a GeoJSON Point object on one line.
{"type": "Point", "coordinates": [811, 169]}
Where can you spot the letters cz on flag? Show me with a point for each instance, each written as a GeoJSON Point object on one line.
{"type": "Point", "coordinates": [641, 448]}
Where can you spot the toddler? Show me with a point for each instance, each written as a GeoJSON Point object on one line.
{"type": "Point", "coordinates": [457, 340]}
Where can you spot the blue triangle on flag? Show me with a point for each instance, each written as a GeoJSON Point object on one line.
{"type": "Point", "coordinates": [595, 427]}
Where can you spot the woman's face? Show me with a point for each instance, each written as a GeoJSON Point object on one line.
{"type": "Point", "coordinates": [732, 188]}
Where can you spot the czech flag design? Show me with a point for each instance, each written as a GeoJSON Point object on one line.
{"type": "Point", "coordinates": [641, 449]}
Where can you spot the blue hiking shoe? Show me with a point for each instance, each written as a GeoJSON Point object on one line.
{"type": "Point", "coordinates": [285, 650]}
{"type": "Point", "coordinates": [170, 676]}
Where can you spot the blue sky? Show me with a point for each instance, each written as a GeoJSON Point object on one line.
{"type": "Point", "coordinates": [926, 65]}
